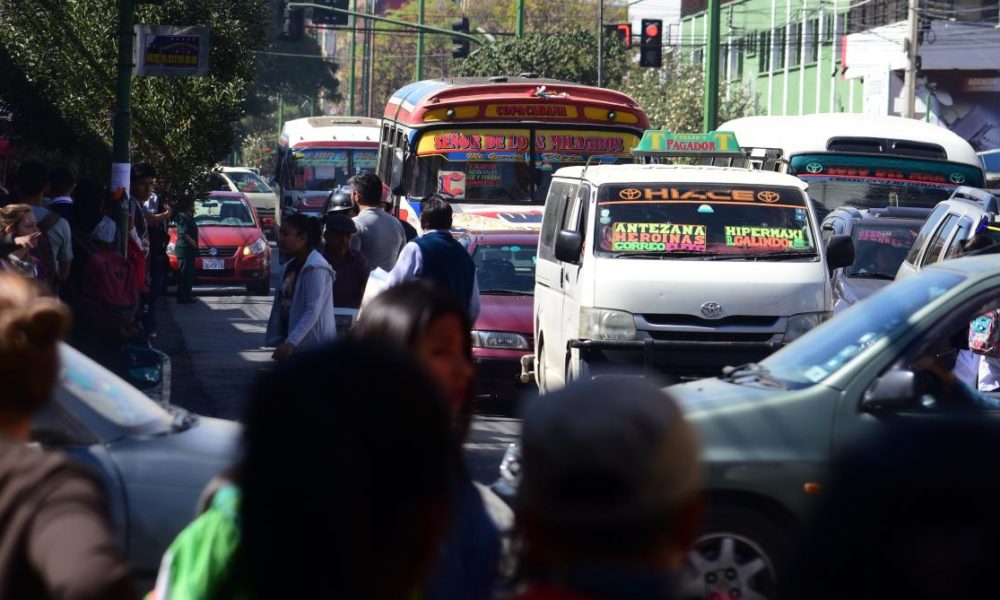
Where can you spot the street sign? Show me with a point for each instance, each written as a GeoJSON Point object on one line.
{"type": "Point", "coordinates": [171, 51]}
{"type": "Point", "coordinates": [329, 17]}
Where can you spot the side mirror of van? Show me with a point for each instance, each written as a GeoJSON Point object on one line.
{"type": "Point", "coordinates": [839, 252]}
{"type": "Point", "coordinates": [568, 246]}
{"type": "Point", "coordinates": [896, 388]}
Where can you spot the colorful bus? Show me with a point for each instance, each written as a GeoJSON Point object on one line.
{"type": "Point", "coordinates": [860, 160]}
{"type": "Point", "coordinates": [319, 154]}
{"type": "Point", "coordinates": [492, 144]}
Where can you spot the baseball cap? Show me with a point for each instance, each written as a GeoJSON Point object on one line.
{"type": "Point", "coordinates": [606, 452]}
{"type": "Point", "coordinates": [340, 224]}
{"type": "Point", "coordinates": [105, 231]}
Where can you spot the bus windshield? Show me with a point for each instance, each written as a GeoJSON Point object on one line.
{"type": "Point", "coordinates": [703, 220]}
{"type": "Point", "coordinates": [321, 169]}
{"type": "Point", "coordinates": [505, 166]}
{"type": "Point", "coordinates": [877, 182]}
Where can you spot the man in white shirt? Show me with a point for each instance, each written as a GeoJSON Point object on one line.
{"type": "Point", "coordinates": [380, 236]}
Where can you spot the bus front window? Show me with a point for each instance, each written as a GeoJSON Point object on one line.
{"type": "Point", "coordinates": [321, 169]}
{"type": "Point", "coordinates": [473, 181]}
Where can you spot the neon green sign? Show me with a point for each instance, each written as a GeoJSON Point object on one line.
{"type": "Point", "coordinates": [655, 141]}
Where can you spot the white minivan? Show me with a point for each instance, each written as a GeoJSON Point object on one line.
{"type": "Point", "coordinates": [676, 270]}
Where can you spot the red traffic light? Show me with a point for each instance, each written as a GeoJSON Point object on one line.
{"type": "Point", "coordinates": [652, 30]}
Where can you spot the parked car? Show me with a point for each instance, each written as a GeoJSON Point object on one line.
{"type": "Point", "coordinates": [881, 237]}
{"type": "Point", "coordinates": [154, 460]}
{"type": "Point", "coordinates": [769, 430]}
{"type": "Point", "coordinates": [248, 181]}
{"type": "Point", "coordinates": [950, 223]}
{"type": "Point", "coordinates": [503, 333]}
{"type": "Point", "coordinates": [232, 247]}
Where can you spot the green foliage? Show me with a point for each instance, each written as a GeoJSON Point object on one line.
{"type": "Point", "coordinates": [673, 96]}
{"type": "Point", "coordinates": [57, 78]}
{"type": "Point", "coordinates": [569, 56]}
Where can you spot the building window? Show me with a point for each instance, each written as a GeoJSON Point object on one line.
{"type": "Point", "coordinates": [698, 55]}
{"type": "Point", "coordinates": [736, 51]}
{"type": "Point", "coordinates": [777, 49]}
{"type": "Point", "coordinates": [764, 52]}
{"type": "Point", "coordinates": [794, 44]}
{"type": "Point", "coordinates": [811, 41]}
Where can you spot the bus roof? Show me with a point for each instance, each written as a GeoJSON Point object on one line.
{"type": "Point", "coordinates": [516, 99]}
{"type": "Point", "coordinates": [331, 131]}
{"type": "Point", "coordinates": [656, 173]}
{"type": "Point", "coordinates": [811, 133]}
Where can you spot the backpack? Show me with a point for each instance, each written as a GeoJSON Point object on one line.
{"type": "Point", "coordinates": [984, 334]}
{"type": "Point", "coordinates": [44, 252]}
{"type": "Point", "coordinates": [110, 299]}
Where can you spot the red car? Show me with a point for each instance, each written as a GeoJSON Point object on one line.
{"type": "Point", "coordinates": [503, 333]}
{"type": "Point", "coordinates": [232, 248]}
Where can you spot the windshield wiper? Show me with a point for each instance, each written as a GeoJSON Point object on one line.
{"type": "Point", "coordinates": [783, 254]}
{"type": "Point", "coordinates": [502, 292]}
{"type": "Point", "coordinates": [183, 420]}
{"type": "Point", "coordinates": [884, 276]}
{"type": "Point", "coordinates": [751, 373]}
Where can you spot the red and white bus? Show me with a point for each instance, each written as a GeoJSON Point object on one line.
{"type": "Point", "coordinates": [492, 144]}
{"type": "Point", "coordinates": [319, 154]}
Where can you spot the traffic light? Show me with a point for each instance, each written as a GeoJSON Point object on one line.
{"type": "Point", "coordinates": [460, 45]}
{"type": "Point", "coordinates": [651, 43]}
{"type": "Point", "coordinates": [292, 20]}
{"type": "Point", "coordinates": [329, 17]}
{"type": "Point", "coordinates": [622, 30]}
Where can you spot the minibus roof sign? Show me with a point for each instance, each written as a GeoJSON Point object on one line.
{"type": "Point", "coordinates": [656, 142]}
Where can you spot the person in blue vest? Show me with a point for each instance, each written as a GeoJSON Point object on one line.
{"type": "Point", "coordinates": [437, 256]}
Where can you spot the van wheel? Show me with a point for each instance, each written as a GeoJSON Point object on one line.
{"type": "Point", "coordinates": [740, 555]}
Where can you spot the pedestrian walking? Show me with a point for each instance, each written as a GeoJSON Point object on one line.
{"type": "Point", "coordinates": [390, 454]}
{"type": "Point", "coordinates": [380, 236]}
{"type": "Point", "coordinates": [20, 235]}
{"type": "Point", "coordinates": [429, 322]}
{"type": "Point", "coordinates": [609, 498]}
{"type": "Point", "coordinates": [437, 256]}
{"type": "Point", "coordinates": [57, 539]}
{"type": "Point", "coordinates": [54, 248]}
{"type": "Point", "coordinates": [186, 249]}
{"type": "Point", "coordinates": [302, 313]}
{"type": "Point", "coordinates": [157, 214]}
{"type": "Point", "coordinates": [350, 267]}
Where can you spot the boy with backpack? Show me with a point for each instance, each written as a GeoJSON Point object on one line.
{"type": "Point", "coordinates": [54, 249]}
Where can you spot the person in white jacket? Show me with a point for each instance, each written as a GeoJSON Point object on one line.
{"type": "Point", "coordinates": [302, 313]}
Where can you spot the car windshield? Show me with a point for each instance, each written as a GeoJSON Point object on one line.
{"type": "Point", "coordinates": [248, 182]}
{"type": "Point", "coordinates": [741, 221]}
{"type": "Point", "coordinates": [109, 396]}
{"type": "Point", "coordinates": [322, 169]}
{"type": "Point", "coordinates": [874, 182]}
{"type": "Point", "coordinates": [885, 315]}
{"type": "Point", "coordinates": [222, 212]}
{"type": "Point", "coordinates": [880, 248]}
{"type": "Point", "coordinates": [505, 268]}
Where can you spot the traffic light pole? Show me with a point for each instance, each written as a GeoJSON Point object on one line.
{"type": "Point", "coordinates": [420, 42]}
{"type": "Point", "coordinates": [711, 117]}
{"type": "Point", "coordinates": [424, 28]}
{"type": "Point", "coordinates": [122, 124]}
{"type": "Point", "coordinates": [520, 18]}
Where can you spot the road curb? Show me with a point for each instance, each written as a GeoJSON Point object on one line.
{"type": "Point", "coordinates": [185, 389]}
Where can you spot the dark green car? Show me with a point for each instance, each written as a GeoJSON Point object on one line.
{"type": "Point", "coordinates": [769, 430]}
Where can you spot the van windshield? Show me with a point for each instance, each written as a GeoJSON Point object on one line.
{"type": "Point", "coordinates": [692, 220]}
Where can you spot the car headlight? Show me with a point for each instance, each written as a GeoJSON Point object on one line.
{"type": "Point", "coordinates": [799, 325]}
{"type": "Point", "coordinates": [258, 247]}
{"type": "Point", "coordinates": [603, 324]}
{"type": "Point", "coordinates": [499, 339]}
{"type": "Point", "coordinates": [170, 248]}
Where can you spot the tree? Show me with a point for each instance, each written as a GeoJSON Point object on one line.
{"type": "Point", "coordinates": [57, 78]}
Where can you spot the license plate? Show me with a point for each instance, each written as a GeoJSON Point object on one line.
{"type": "Point", "coordinates": [213, 264]}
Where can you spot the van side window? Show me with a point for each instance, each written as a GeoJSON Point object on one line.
{"type": "Point", "coordinates": [925, 232]}
{"type": "Point", "coordinates": [552, 220]}
{"type": "Point", "coordinates": [937, 244]}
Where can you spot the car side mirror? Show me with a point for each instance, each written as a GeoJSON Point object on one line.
{"type": "Point", "coordinates": [569, 243]}
{"type": "Point", "coordinates": [396, 175]}
{"type": "Point", "coordinates": [839, 252]}
{"type": "Point", "coordinates": [896, 388]}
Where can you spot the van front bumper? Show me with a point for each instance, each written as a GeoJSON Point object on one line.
{"type": "Point", "coordinates": [676, 359]}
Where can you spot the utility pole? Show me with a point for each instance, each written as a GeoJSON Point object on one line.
{"type": "Point", "coordinates": [711, 117]}
{"type": "Point", "coordinates": [371, 60]}
{"type": "Point", "coordinates": [121, 138]}
{"type": "Point", "coordinates": [520, 18]}
{"type": "Point", "coordinates": [910, 78]}
{"type": "Point", "coordinates": [420, 41]}
{"type": "Point", "coordinates": [354, 57]}
{"type": "Point", "coordinates": [600, 43]}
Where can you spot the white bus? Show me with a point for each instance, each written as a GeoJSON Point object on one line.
{"type": "Point", "coordinates": [863, 160]}
{"type": "Point", "coordinates": [319, 154]}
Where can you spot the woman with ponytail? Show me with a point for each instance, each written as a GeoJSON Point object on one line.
{"type": "Point", "coordinates": [302, 313]}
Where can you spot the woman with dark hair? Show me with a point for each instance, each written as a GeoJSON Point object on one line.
{"type": "Point", "coordinates": [302, 313]}
{"type": "Point", "coordinates": [347, 498]}
{"type": "Point", "coordinates": [431, 323]}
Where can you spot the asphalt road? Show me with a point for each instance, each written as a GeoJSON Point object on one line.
{"type": "Point", "coordinates": [216, 351]}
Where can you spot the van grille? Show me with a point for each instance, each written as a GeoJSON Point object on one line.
{"type": "Point", "coordinates": [693, 321]}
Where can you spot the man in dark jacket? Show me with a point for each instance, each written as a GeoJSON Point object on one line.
{"type": "Point", "coordinates": [437, 256]}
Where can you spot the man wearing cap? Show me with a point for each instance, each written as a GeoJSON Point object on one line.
{"type": "Point", "coordinates": [349, 265]}
{"type": "Point", "coordinates": [609, 499]}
